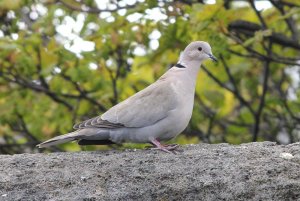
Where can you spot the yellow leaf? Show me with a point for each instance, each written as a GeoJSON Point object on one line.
{"type": "Point", "coordinates": [228, 104]}
{"type": "Point", "coordinates": [48, 58]}
{"type": "Point", "coordinates": [10, 4]}
{"type": "Point", "coordinates": [259, 89]}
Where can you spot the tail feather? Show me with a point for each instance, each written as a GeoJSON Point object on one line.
{"type": "Point", "coordinates": [58, 140]}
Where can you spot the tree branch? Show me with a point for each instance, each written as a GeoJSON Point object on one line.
{"type": "Point", "coordinates": [289, 21]}
{"type": "Point", "coordinates": [283, 96]}
{"type": "Point", "coordinates": [38, 88]}
{"type": "Point", "coordinates": [249, 28]}
{"type": "Point", "coordinates": [93, 10]}
{"type": "Point", "coordinates": [262, 98]}
{"type": "Point", "coordinates": [82, 93]}
{"type": "Point", "coordinates": [39, 69]}
{"type": "Point", "coordinates": [239, 97]}
{"type": "Point", "coordinates": [258, 55]}
{"type": "Point", "coordinates": [261, 19]}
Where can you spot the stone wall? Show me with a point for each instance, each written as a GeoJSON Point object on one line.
{"type": "Point", "coordinates": [254, 171]}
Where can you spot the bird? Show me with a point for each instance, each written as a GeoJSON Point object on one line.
{"type": "Point", "coordinates": [157, 113]}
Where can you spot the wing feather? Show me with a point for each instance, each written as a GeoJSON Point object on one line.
{"type": "Point", "coordinates": [90, 123]}
{"type": "Point", "coordinates": [142, 109]}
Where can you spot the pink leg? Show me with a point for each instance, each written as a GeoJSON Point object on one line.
{"type": "Point", "coordinates": [165, 148]}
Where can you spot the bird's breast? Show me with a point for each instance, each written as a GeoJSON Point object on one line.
{"type": "Point", "coordinates": [184, 93]}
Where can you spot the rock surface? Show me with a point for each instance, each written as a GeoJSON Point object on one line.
{"type": "Point", "coordinates": [254, 171]}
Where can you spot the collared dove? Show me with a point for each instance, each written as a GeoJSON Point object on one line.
{"type": "Point", "coordinates": [157, 113]}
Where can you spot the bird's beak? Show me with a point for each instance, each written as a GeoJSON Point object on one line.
{"type": "Point", "coordinates": [212, 57]}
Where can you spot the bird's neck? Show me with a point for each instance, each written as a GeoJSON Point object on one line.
{"type": "Point", "coordinates": [187, 71]}
{"type": "Point", "coordinates": [191, 67]}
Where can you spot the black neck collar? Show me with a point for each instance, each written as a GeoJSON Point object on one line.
{"type": "Point", "coordinates": [178, 65]}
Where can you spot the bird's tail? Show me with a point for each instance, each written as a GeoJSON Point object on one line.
{"type": "Point", "coordinates": [59, 140]}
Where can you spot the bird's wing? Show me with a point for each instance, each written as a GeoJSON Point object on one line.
{"type": "Point", "coordinates": [97, 122]}
{"type": "Point", "coordinates": [142, 109]}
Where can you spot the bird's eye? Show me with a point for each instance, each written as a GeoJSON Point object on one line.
{"type": "Point", "coordinates": [200, 48]}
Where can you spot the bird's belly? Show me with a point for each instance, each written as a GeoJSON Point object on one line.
{"type": "Point", "coordinates": [165, 129]}
{"type": "Point", "coordinates": [177, 125]}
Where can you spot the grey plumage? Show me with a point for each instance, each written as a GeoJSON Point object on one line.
{"type": "Point", "coordinates": [159, 112]}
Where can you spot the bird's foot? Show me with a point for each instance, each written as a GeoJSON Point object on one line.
{"type": "Point", "coordinates": [169, 148]}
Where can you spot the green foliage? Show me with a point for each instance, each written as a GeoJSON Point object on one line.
{"type": "Point", "coordinates": [46, 85]}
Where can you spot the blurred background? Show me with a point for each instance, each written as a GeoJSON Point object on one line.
{"type": "Point", "coordinates": [64, 61]}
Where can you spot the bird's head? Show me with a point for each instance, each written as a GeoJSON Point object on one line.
{"type": "Point", "coordinates": [197, 51]}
